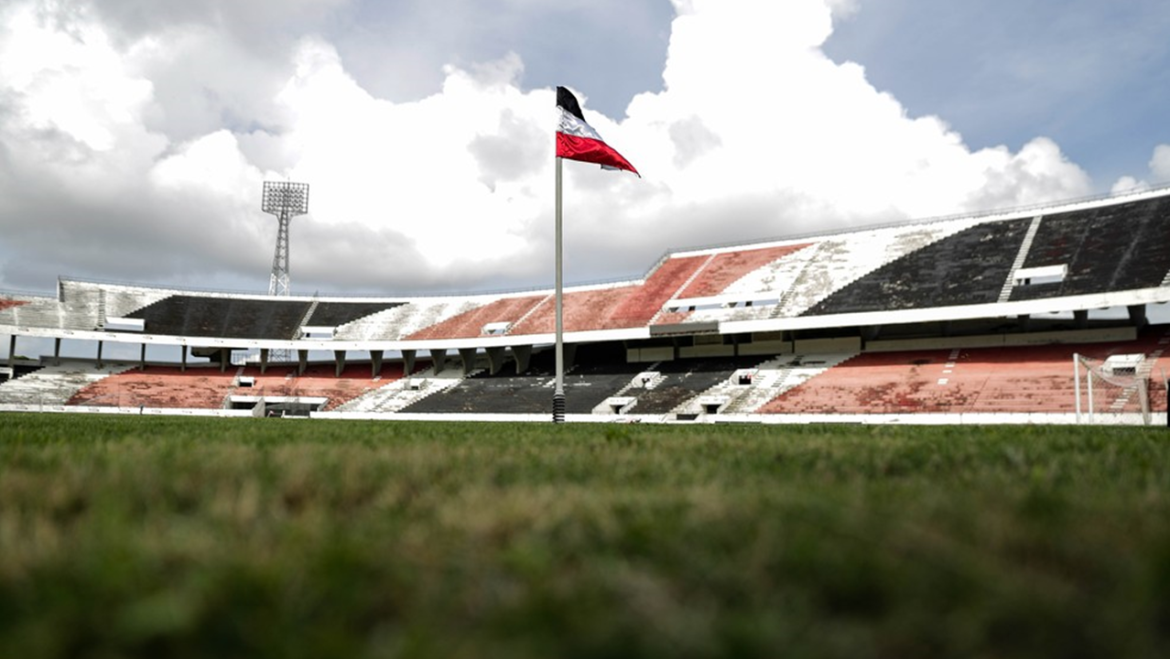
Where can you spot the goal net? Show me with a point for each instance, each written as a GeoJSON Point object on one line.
{"type": "Point", "coordinates": [1113, 389]}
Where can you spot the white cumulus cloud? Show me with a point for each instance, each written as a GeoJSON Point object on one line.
{"type": "Point", "coordinates": [754, 133]}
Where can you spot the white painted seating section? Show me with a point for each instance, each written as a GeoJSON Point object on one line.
{"type": "Point", "coordinates": [401, 322]}
{"type": "Point", "coordinates": [57, 383]}
{"type": "Point", "coordinates": [773, 378]}
{"type": "Point", "coordinates": [406, 391]}
{"type": "Point", "coordinates": [793, 284]}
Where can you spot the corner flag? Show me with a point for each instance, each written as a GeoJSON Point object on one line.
{"type": "Point", "coordinates": [577, 140]}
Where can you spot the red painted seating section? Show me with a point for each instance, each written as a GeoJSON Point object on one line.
{"type": "Point", "coordinates": [8, 304]}
{"type": "Point", "coordinates": [614, 308]}
{"type": "Point", "coordinates": [989, 380]}
{"type": "Point", "coordinates": [319, 380]}
{"type": "Point", "coordinates": [207, 388]}
{"type": "Point", "coordinates": [583, 311]}
{"type": "Point", "coordinates": [159, 386]}
{"type": "Point", "coordinates": [470, 324]}
{"type": "Point", "coordinates": [728, 267]}
{"type": "Point", "coordinates": [637, 309]}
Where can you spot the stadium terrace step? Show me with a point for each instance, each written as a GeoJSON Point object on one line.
{"type": "Point", "coordinates": [777, 376]}
{"type": "Point", "coordinates": [56, 384]}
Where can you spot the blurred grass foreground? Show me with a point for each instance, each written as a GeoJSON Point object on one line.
{"type": "Point", "coordinates": [171, 537]}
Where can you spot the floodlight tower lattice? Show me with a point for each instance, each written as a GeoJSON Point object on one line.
{"type": "Point", "coordinates": [285, 200]}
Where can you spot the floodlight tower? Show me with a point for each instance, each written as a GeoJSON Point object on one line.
{"type": "Point", "coordinates": [284, 200]}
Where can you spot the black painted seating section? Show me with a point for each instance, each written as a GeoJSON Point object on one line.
{"type": "Point", "coordinates": [685, 379]}
{"type": "Point", "coordinates": [969, 267]}
{"type": "Point", "coordinates": [600, 371]}
{"type": "Point", "coordinates": [1115, 248]}
{"type": "Point", "coordinates": [335, 314]}
{"type": "Point", "coordinates": [184, 315]}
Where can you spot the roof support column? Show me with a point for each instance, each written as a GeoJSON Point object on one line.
{"type": "Point", "coordinates": [12, 350]}
{"type": "Point", "coordinates": [408, 361]}
{"type": "Point", "coordinates": [496, 358]}
{"type": "Point", "coordinates": [339, 360]}
{"type": "Point", "coordinates": [263, 361]}
{"type": "Point", "coordinates": [523, 356]}
{"type": "Point", "coordinates": [438, 359]}
{"type": "Point", "coordinates": [467, 355]}
{"type": "Point", "coordinates": [101, 344]}
{"type": "Point", "coordinates": [302, 361]}
{"type": "Point", "coordinates": [376, 357]}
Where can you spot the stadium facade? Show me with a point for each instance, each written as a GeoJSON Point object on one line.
{"type": "Point", "coordinates": [974, 318]}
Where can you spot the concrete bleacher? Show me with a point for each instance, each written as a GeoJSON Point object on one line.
{"type": "Point", "coordinates": [208, 388]}
{"type": "Point", "coordinates": [1105, 249]}
{"type": "Point", "coordinates": [402, 321]}
{"type": "Point", "coordinates": [316, 381]}
{"type": "Point", "coordinates": [1018, 379]}
{"type": "Point", "coordinates": [583, 310]}
{"type": "Point", "coordinates": [968, 267]}
{"type": "Point", "coordinates": [598, 373]}
{"type": "Point", "coordinates": [168, 387]}
{"type": "Point", "coordinates": [680, 382]}
{"type": "Point", "coordinates": [620, 306]}
{"type": "Point", "coordinates": [816, 274]}
{"type": "Point", "coordinates": [49, 313]}
{"type": "Point", "coordinates": [788, 280]}
{"type": "Point", "coordinates": [224, 317]}
{"type": "Point", "coordinates": [725, 268]}
{"type": "Point", "coordinates": [403, 392]}
{"type": "Point", "coordinates": [56, 384]}
{"type": "Point", "coordinates": [471, 324]}
{"type": "Point", "coordinates": [335, 313]}
{"type": "Point", "coordinates": [774, 377]}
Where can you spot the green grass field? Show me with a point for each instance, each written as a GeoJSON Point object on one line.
{"type": "Point", "coordinates": [155, 536]}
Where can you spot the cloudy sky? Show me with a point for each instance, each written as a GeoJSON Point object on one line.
{"type": "Point", "coordinates": [135, 135]}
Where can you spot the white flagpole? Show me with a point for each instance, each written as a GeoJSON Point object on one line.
{"type": "Point", "coordinates": [559, 392]}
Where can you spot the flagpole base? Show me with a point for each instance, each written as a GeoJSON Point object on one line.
{"type": "Point", "coordinates": [558, 408]}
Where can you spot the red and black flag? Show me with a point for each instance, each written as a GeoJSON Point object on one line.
{"type": "Point", "coordinates": [576, 139]}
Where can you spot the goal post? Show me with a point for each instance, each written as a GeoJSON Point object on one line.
{"type": "Point", "coordinates": [1111, 390]}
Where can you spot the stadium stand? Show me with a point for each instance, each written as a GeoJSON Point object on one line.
{"type": "Point", "coordinates": [884, 320]}
{"type": "Point", "coordinates": [404, 392]}
{"type": "Point", "coordinates": [726, 268]}
{"type": "Point", "coordinates": [337, 313]}
{"type": "Point", "coordinates": [159, 387]}
{"type": "Point", "coordinates": [317, 381]}
{"type": "Point", "coordinates": [56, 384]}
{"type": "Point", "coordinates": [969, 267]}
{"type": "Point", "coordinates": [1002, 380]}
{"type": "Point", "coordinates": [599, 371]}
{"type": "Point", "coordinates": [835, 263]}
{"type": "Point", "coordinates": [471, 324]}
{"type": "Point", "coordinates": [185, 315]}
{"type": "Point", "coordinates": [681, 381]}
{"type": "Point", "coordinates": [1104, 249]}
{"type": "Point", "coordinates": [584, 310]}
{"type": "Point", "coordinates": [776, 376]}
{"type": "Point", "coordinates": [209, 388]}
{"type": "Point", "coordinates": [403, 320]}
